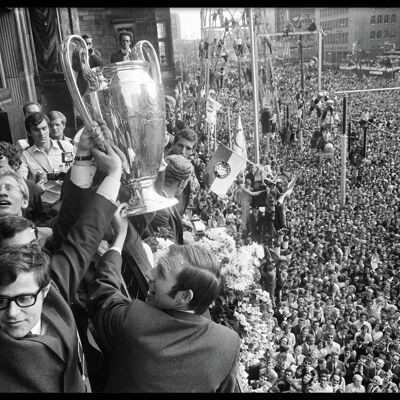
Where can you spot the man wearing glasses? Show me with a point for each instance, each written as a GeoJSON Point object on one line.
{"type": "Point", "coordinates": [40, 349]}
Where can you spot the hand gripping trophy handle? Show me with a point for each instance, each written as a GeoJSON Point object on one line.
{"type": "Point", "coordinates": [129, 97]}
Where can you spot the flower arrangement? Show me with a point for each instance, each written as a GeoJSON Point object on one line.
{"type": "Point", "coordinates": [242, 304]}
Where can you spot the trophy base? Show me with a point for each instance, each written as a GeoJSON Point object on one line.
{"type": "Point", "coordinates": [149, 201]}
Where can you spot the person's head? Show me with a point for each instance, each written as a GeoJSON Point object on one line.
{"type": "Point", "coordinates": [187, 278]}
{"type": "Point", "coordinates": [30, 107]}
{"type": "Point", "coordinates": [14, 194]}
{"type": "Point", "coordinates": [24, 284]}
{"type": "Point", "coordinates": [125, 40]}
{"type": "Point", "coordinates": [9, 157]}
{"type": "Point", "coordinates": [310, 339]}
{"type": "Point", "coordinates": [16, 231]}
{"type": "Point", "coordinates": [357, 380]}
{"type": "Point", "coordinates": [324, 379]}
{"type": "Point", "coordinates": [376, 380]}
{"type": "Point", "coordinates": [89, 40]}
{"type": "Point", "coordinates": [336, 380]}
{"type": "Point", "coordinates": [177, 174]}
{"type": "Point", "coordinates": [185, 142]}
{"type": "Point", "coordinates": [379, 363]}
{"type": "Point", "coordinates": [57, 124]}
{"type": "Point", "coordinates": [37, 126]}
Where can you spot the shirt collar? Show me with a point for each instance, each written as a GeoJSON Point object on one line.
{"type": "Point", "coordinates": [36, 330]}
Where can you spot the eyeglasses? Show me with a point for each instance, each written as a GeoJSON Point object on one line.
{"type": "Point", "coordinates": [22, 300]}
{"type": "Point", "coordinates": [8, 187]}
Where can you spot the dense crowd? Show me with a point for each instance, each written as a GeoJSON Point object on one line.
{"type": "Point", "coordinates": [341, 289]}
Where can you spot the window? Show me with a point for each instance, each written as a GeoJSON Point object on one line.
{"type": "Point", "coordinates": [163, 56]}
{"type": "Point", "coordinates": [346, 39]}
{"type": "Point", "coordinates": [392, 33]}
{"type": "Point", "coordinates": [347, 22]}
{"type": "Point", "coordinates": [161, 31]}
{"type": "Point", "coordinates": [393, 19]}
{"type": "Point", "coordinates": [373, 20]}
{"type": "Point", "coordinates": [378, 34]}
{"type": "Point", "coordinates": [386, 19]}
{"type": "Point", "coordinates": [379, 19]}
{"type": "Point", "coordinates": [372, 35]}
{"type": "Point", "coordinates": [386, 34]}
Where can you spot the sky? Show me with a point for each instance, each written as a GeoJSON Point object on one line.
{"type": "Point", "coordinates": [190, 22]}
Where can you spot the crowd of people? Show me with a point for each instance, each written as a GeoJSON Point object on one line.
{"type": "Point", "coordinates": [84, 308]}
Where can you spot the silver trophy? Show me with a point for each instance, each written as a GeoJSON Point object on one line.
{"type": "Point", "coordinates": [131, 102]}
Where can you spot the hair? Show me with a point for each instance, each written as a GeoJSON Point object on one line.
{"type": "Point", "coordinates": [125, 33]}
{"type": "Point", "coordinates": [29, 103]}
{"type": "Point", "coordinates": [10, 225]}
{"type": "Point", "coordinates": [87, 36]}
{"type": "Point", "coordinates": [202, 275]}
{"type": "Point", "coordinates": [57, 114]}
{"type": "Point", "coordinates": [188, 134]}
{"type": "Point", "coordinates": [12, 153]}
{"type": "Point", "coordinates": [20, 181]}
{"type": "Point", "coordinates": [32, 120]}
{"type": "Point", "coordinates": [15, 260]}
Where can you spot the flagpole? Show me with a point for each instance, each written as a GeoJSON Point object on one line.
{"type": "Point", "coordinates": [254, 64]}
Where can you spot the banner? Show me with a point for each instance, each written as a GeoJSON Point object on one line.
{"type": "Point", "coordinates": [222, 170]}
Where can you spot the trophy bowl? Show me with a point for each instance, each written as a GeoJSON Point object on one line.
{"type": "Point", "coordinates": [131, 102]}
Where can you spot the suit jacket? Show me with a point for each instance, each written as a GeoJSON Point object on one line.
{"type": "Point", "coordinates": [170, 222]}
{"type": "Point", "coordinates": [49, 362]}
{"type": "Point", "coordinates": [118, 56]}
{"type": "Point", "coordinates": [373, 389]}
{"type": "Point", "coordinates": [155, 350]}
{"type": "Point", "coordinates": [339, 364]}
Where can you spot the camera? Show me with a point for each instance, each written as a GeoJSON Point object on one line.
{"type": "Point", "coordinates": [56, 176]}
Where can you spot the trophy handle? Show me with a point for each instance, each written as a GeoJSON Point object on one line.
{"type": "Point", "coordinates": [89, 76]}
{"type": "Point", "coordinates": [152, 56]}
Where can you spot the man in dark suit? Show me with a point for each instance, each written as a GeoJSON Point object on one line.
{"type": "Point", "coordinates": [164, 344]}
{"type": "Point", "coordinates": [39, 347]}
{"type": "Point", "coordinates": [125, 52]}
{"type": "Point", "coordinates": [334, 363]}
{"type": "Point", "coordinates": [168, 222]}
{"type": "Point", "coordinates": [184, 144]}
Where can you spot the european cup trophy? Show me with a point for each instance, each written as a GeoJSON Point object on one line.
{"type": "Point", "coordinates": [129, 97]}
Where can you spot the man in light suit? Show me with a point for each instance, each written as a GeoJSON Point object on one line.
{"type": "Point", "coordinates": [164, 344]}
{"type": "Point", "coordinates": [39, 345]}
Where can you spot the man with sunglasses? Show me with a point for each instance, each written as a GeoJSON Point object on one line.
{"type": "Point", "coordinates": [40, 349]}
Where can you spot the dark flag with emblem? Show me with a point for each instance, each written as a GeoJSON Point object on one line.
{"type": "Point", "coordinates": [222, 170]}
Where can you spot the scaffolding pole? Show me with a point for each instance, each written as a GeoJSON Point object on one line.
{"type": "Point", "coordinates": [254, 65]}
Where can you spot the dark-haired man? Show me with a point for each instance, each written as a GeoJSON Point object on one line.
{"type": "Point", "coordinates": [39, 345]}
{"type": "Point", "coordinates": [125, 52]}
{"type": "Point", "coordinates": [164, 344]}
{"type": "Point", "coordinates": [95, 59]}
{"type": "Point", "coordinates": [46, 160]}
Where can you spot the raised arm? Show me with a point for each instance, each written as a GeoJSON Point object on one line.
{"type": "Point", "coordinates": [70, 262]}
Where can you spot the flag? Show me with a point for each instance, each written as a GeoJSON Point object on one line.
{"type": "Point", "coordinates": [239, 144]}
{"type": "Point", "coordinates": [222, 170]}
{"type": "Point", "coordinates": [288, 191]}
{"type": "Point", "coordinates": [212, 107]}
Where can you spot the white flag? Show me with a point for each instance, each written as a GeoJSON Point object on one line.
{"type": "Point", "coordinates": [239, 145]}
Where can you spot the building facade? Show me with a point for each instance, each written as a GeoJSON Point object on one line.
{"type": "Point", "coordinates": [30, 66]}
{"type": "Point", "coordinates": [368, 31]}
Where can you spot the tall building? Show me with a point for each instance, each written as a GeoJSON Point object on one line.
{"type": "Point", "coordinates": [368, 31]}
{"type": "Point", "coordinates": [175, 26]}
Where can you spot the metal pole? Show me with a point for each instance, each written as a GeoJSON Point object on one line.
{"type": "Point", "coordinates": [319, 59]}
{"type": "Point", "coordinates": [343, 157]}
{"type": "Point", "coordinates": [240, 78]}
{"type": "Point", "coordinates": [180, 62]}
{"type": "Point", "coordinates": [365, 141]}
{"type": "Point", "coordinates": [254, 64]}
{"type": "Point", "coordinates": [367, 90]}
{"type": "Point", "coordinates": [229, 127]}
{"type": "Point", "coordinates": [301, 61]}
